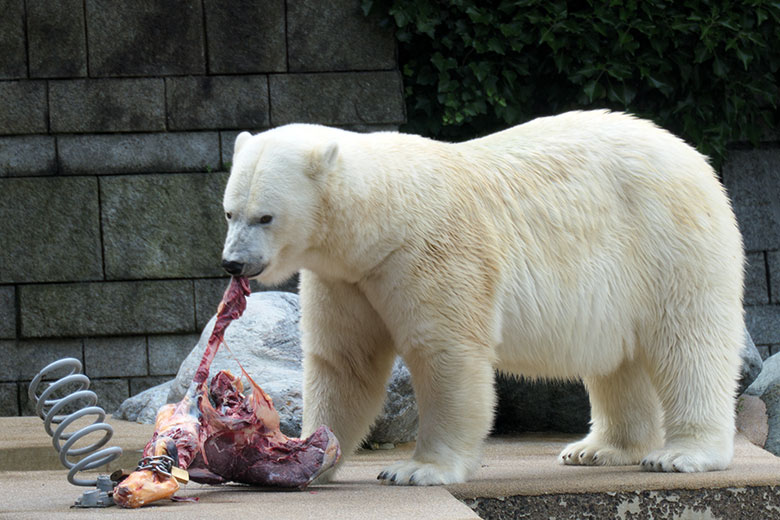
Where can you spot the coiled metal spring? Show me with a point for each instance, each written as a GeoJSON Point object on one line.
{"type": "Point", "coordinates": [47, 409]}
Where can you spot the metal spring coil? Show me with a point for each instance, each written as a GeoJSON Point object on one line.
{"type": "Point", "coordinates": [47, 410]}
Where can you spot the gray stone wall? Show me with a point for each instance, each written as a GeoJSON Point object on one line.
{"type": "Point", "coordinates": [752, 178]}
{"type": "Point", "coordinates": [116, 132]}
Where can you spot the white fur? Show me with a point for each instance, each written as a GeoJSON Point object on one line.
{"type": "Point", "coordinates": [589, 245]}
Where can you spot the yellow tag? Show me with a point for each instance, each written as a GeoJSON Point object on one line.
{"type": "Point", "coordinates": [180, 475]}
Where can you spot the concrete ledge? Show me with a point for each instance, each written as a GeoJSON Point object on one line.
{"type": "Point", "coordinates": [520, 478]}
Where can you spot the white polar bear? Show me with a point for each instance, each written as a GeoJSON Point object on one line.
{"type": "Point", "coordinates": [589, 245]}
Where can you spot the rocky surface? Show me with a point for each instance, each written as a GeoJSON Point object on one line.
{"type": "Point", "coordinates": [751, 363]}
{"type": "Point", "coordinates": [770, 373]}
{"type": "Point", "coordinates": [752, 419]}
{"type": "Point", "coordinates": [771, 398]}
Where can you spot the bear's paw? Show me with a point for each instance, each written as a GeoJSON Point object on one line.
{"type": "Point", "coordinates": [686, 461]}
{"type": "Point", "coordinates": [593, 452]}
{"type": "Point", "coordinates": [415, 473]}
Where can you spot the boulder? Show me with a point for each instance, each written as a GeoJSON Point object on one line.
{"type": "Point", "coordinates": [266, 341]}
{"type": "Point", "coordinates": [771, 398]}
{"type": "Point", "coordinates": [143, 407]}
{"type": "Point", "coordinates": [752, 419]}
{"type": "Point", "coordinates": [398, 421]}
{"type": "Point", "coordinates": [751, 363]}
{"type": "Point", "coordinates": [770, 374]}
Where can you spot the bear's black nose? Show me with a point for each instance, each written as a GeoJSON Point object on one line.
{"type": "Point", "coordinates": [233, 268]}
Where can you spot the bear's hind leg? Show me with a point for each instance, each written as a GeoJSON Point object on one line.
{"type": "Point", "coordinates": [696, 381]}
{"type": "Point", "coordinates": [625, 419]}
{"type": "Point", "coordinates": [455, 398]}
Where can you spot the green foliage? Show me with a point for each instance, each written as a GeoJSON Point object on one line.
{"type": "Point", "coordinates": [706, 70]}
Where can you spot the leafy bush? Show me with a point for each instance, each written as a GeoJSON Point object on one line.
{"type": "Point", "coordinates": [704, 70]}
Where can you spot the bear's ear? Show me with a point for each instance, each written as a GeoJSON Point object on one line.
{"type": "Point", "coordinates": [240, 141]}
{"type": "Point", "coordinates": [323, 159]}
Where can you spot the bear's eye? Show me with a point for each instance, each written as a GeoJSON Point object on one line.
{"type": "Point", "coordinates": [228, 215]}
{"type": "Point", "coordinates": [265, 219]}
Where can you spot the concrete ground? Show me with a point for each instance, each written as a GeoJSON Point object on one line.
{"type": "Point", "coordinates": [520, 477]}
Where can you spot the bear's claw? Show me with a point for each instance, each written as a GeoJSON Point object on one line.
{"type": "Point", "coordinates": [413, 473]}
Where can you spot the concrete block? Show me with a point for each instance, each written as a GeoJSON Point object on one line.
{"type": "Point", "coordinates": [245, 36]}
{"type": "Point", "coordinates": [217, 102]}
{"type": "Point", "coordinates": [145, 37]}
{"type": "Point", "coordinates": [51, 230]}
{"type": "Point", "coordinates": [208, 294]}
{"type": "Point", "coordinates": [109, 396]}
{"type": "Point", "coordinates": [107, 105]}
{"type": "Point", "coordinates": [24, 107]}
{"type": "Point", "coordinates": [9, 400]}
{"type": "Point", "coordinates": [115, 357]}
{"type": "Point", "coordinates": [763, 323]}
{"type": "Point", "coordinates": [7, 311]}
{"type": "Point", "coordinates": [342, 98]}
{"type": "Point", "coordinates": [111, 392]}
{"type": "Point", "coordinates": [338, 38]}
{"type": "Point", "coordinates": [773, 258]}
{"type": "Point", "coordinates": [752, 178]}
{"type": "Point", "coordinates": [179, 233]}
{"type": "Point", "coordinates": [56, 39]}
{"type": "Point", "coordinates": [167, 352]}
{"type": "Point", "coordinates": [103, 309]}
{"type": "Point", "coordinates": [23, 359]}
{"type": "Point", "coordinates": [139, 153]}
{"type": "Point", "coordinates": [26, 155]}
{"type": "Point", "coordinates": [13, 57]}
{"type": "Point", "coordinates": [756, 288]}
{"type": "Point", "coordinates": [139, 384]}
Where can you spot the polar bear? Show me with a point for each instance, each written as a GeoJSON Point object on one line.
{"type": "Point", "coordinates": [588, 245]}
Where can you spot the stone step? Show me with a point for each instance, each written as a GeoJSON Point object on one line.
{"type": "Point", "coordinates": [519, 478]}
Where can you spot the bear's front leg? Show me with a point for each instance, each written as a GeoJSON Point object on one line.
{"type": "Point", "coordinates": [454, 386]}
{"type": "Point", "coordinates": [347, 358]}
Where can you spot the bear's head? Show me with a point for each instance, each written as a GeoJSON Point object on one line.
{"type": "Point", "coordinates": [272, 198]}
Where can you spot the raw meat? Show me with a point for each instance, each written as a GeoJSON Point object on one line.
{"type": "Point", "coordinates": [218, 434]}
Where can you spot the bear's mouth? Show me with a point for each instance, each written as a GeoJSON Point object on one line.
{"type": "Point", "coordinates": [258, 272]}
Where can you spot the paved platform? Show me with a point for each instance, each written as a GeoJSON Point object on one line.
{"type": "Point", "coordinates": [519, 478]}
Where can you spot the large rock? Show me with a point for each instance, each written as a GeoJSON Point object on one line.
{"type": "Point", "coordinates": [751, 363]}
{"type": "Point", "coordinates": [752, 421]}
{"type": "Point", "coordinates": [143, 407]}
{"type": "Point", "coordinates": [399, 420]}
{"type": "Point", "coordinates": [771, 398]}
{"type": "Point", "coordinates": [266, 342]}
{"type": "Point", "coordinates": [770, 374]}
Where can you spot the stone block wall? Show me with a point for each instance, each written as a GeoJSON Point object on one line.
{"type": "Point", "coordinates": [116, 132]}
{"type": "Point", "coordinates": [752, 178]}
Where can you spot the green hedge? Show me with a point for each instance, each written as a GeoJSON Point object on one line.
{"type": "Point", "coordinates": [704, 70]}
